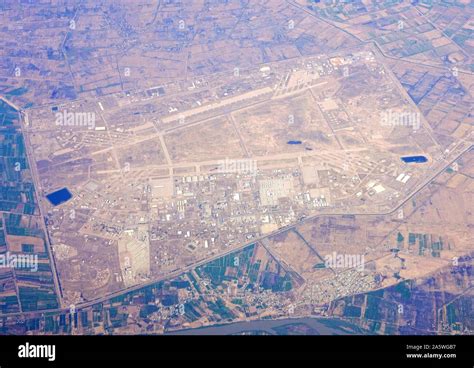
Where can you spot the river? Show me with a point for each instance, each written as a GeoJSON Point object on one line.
{"type": "Point", "coordinates": [297, 326]}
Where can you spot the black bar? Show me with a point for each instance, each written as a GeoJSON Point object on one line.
{"type": "Point", "coordinates": [329, 349]}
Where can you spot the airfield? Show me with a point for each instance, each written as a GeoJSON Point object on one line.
{"type": "Point", "coordinates": [177, 166]}
{"type": "Point", "coordinates": [161, 180]}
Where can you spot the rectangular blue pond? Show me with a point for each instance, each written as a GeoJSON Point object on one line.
{"type": "Point", "coordinates": [415, 159]}
{"type": "Point", "coordinates": [59, 196]}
